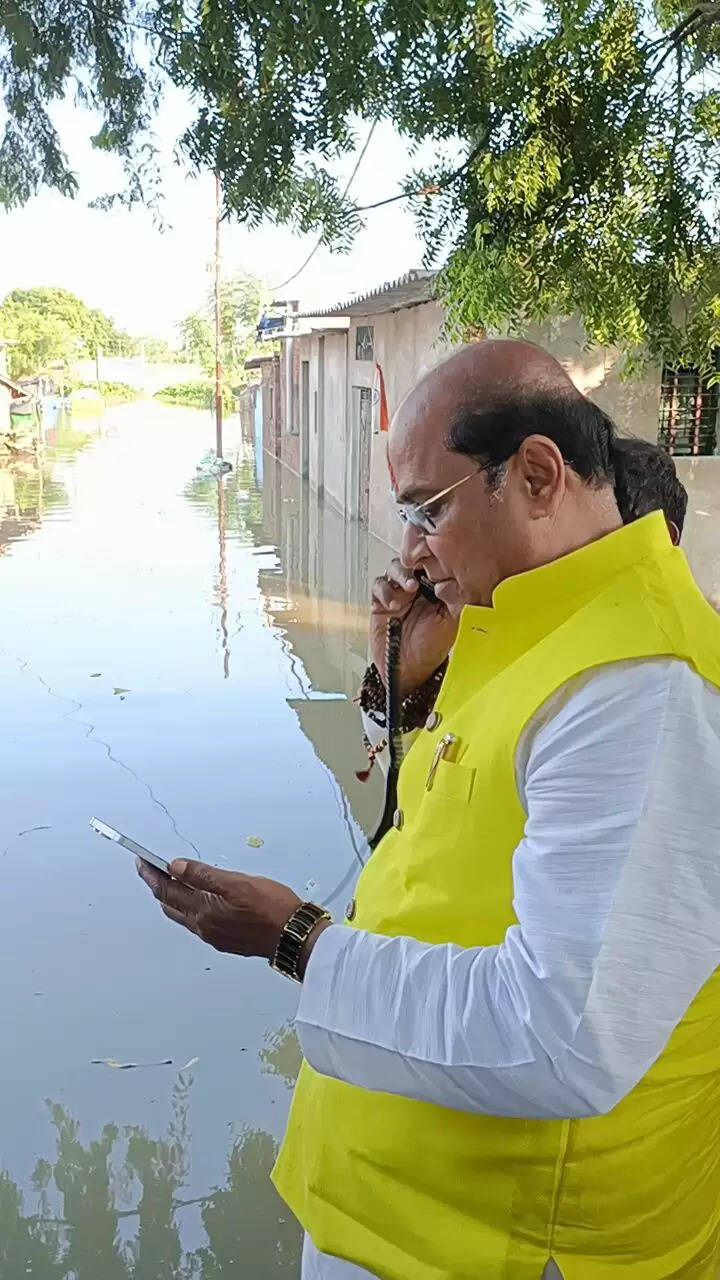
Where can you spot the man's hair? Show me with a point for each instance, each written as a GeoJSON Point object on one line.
{"type": "Point", "coordinates": [644, 476]}
{"type": "Point", "coordinates": [646, 480]}
{"type": "Point", "coordinates": [582, 432]}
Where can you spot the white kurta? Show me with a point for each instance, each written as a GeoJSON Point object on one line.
{"type": "Point", "coordinates": [617, 898]}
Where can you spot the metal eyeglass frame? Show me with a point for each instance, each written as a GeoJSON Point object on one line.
{"type": "Point", "coordinates": [415, 513]}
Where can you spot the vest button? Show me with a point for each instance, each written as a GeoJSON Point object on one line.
{"type": "Point", "coordinates": [433, 721]}
{"type": "Point", "coordinates": [350, 910]}
{"type": "Point", "coordinates": [398, 819]}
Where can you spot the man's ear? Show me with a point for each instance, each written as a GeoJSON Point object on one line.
{"type": "Point", "coordinates": [673, 531]}
{"type": "Point", "coordinates": [542, 470]}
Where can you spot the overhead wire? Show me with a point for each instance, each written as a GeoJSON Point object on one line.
{"type": "Point", "coordinates": [348, 185]}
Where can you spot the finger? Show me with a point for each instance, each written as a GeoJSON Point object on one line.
{"type": "Point", "coordinates": [207, 879]}
{"type": "Point", "coordinates": [169, 892]}
{"type": "Point", "coordinates": [402, 577]}
{"type": "Point", "coordinates": [388, 597]}
{"type": "Point", "coordinates": [178, 918]}
{"type": "Point", "coordinates": [150, 875]}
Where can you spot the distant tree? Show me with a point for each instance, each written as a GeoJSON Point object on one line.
{"type": "Point", "coordinates": [51, 326]}
{"type": "Point", "coordinates": [241, 298]}
{"type": "Point", "coordinates": [157, 350]}
{"type": "Point", "coordinates": [585, 133]}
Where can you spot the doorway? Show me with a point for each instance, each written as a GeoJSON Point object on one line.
{"type": "Point", "coordinates": [305, 419]}
{"type": "Point", "coordinates": [358, 503]}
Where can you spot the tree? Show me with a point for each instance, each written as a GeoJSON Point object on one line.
{"type": "Point", "coordinates": [51, 326]}
{"type": "Point", "coordinates": [585, 136]}
{"type": "Point", "coordinates": [241, 299]}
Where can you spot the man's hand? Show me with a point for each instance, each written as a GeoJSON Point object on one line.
{"type": "Point", "coordinates": [232, 912]}
{"type": "Point", "coordinates": [428, 632]}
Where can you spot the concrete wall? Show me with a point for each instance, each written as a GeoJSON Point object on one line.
{"type": "Point", "coordinates": [141, 374]}
{"type": "Point", "coordinates": [701, 537]}
{"type": "Point", "coordinates": [632, 403]}
{"type": "Point", "coordinates": [407, 344]}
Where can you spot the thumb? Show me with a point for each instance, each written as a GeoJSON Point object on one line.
{"type": "Point", "coordinates": [200, 875]}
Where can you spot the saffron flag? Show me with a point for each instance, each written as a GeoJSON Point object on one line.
{"type": "Point", "coordinates": [381, 417]}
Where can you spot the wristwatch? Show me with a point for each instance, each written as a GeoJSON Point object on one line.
{"type": "Point", "coordinates": [293, 938]}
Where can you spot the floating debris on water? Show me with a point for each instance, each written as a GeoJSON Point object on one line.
{"type": "Point", "coordinates": [127, 1066]}
{"type": "Point", "coordinates": [255, 842]}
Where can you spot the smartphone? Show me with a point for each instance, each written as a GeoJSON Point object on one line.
{"type": "Point", "coordinates": [132, 846]}
{"type": "Point", "coordinates": [427, 591]}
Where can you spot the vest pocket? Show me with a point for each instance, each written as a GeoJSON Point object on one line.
{"type": "Point", "coordinates": [452, 781]}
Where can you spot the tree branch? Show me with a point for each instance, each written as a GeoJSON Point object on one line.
{"type": "Point", "coordinates": [431, 188]}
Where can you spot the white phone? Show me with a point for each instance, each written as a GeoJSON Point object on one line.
{"type": "Point", "coordinates": [132, 846]}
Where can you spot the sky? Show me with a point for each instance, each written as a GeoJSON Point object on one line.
{"type": "Point", "coordinates": [148, 279]}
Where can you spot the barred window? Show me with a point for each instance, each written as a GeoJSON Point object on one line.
{"type": "Point", "coordinates": [365, 342]}
{"type": "Point", "coordinates": [688, 413]}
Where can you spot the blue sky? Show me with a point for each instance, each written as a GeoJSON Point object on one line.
{"type": "Point", "coordinates": [147, 279]}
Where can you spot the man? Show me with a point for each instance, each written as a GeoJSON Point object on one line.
{"type": "Point", "coordinates": [645, 480]}
{"type": "Point", "coordinates": [513, 1055]}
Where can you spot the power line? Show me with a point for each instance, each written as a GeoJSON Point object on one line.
{"type": "Point", "coordinates": [348, 185]}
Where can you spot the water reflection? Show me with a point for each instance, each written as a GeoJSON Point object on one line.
{"type": "Point", "coordinates": [111, 1207]}
{"type": "Point", "coordinates": [316, 595]}
{"type": "Point", "coordinates": [178, 656]}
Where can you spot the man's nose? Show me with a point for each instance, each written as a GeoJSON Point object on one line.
{"type": "Point", "coordinates": [414, 548]}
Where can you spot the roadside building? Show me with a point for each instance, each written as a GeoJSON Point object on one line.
{"type": "Point", "coordinates": [344, 369]}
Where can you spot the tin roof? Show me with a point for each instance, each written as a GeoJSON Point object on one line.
{"type": "Point", "coordinates": [410, 290]}
{"type": "Point", "coordinates": [12, 386]}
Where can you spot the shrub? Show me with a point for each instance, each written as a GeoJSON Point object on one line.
{"type": "Point", "coordinates": [195, 395]}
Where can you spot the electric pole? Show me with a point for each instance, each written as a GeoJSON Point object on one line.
{"type": "Point", "coordinates": [218, 329]}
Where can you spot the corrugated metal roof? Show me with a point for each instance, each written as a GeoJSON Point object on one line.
{"type": "Point", "coordinates": [257, 362]}
{"type": "Point", "coordinates": [12, 386]}
{"type": "Point", "coordinates": [409, 290]}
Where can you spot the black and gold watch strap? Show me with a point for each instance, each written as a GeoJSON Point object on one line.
{"type": "Point", "coordinates": [293, 938]}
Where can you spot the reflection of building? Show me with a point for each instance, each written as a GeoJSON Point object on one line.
{"type": "Point", "coordinates": [21, 501]}
{"type": "Point", "coordinates": [318, 599]}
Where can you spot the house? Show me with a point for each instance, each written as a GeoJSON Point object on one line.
{"type": "Point", "coordinates": [7, 386]}
{"type": "Point", "coordinates": [335, 364]}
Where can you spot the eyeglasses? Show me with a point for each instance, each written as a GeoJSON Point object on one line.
{"type": "Point", "coordinates": [417, 514]}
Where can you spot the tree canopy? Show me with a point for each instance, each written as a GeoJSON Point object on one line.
{"type": "Point", "coordinates": [587, 131]}
{"type": "Point", "coordinates": [53, 326]}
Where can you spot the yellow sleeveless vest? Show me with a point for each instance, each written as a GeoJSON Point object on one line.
{"type": "Point", "coordinates": [412, 1191]}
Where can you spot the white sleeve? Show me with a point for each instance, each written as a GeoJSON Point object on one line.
{"type": "Point", "coordinates": [617, 897]}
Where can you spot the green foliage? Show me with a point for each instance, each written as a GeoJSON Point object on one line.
{"type": "Point", "coordinates": [195, 395]}
{"type": "Point", "coordinates": [158, 351]}
{"type": "Point", "coordinates": [53, 326]}
{"type": "Point", "coordinates": [589, 132]}
{"type": "Point", "coordinates": [241, 298]}
{"type": "Point", "coordinates": [118, 392]}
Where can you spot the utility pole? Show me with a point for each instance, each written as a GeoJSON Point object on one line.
{"type": "Point", "coordinates": [218, 331]}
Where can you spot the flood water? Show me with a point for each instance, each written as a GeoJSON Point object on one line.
{"type": "Point", "coordinates": [178, 656]}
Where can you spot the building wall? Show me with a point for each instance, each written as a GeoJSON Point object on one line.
{"type": "Point", "coordinates": [701, 477]}
{"type": "Point", "coordinates": [407, 344]}
{"type": "Point", "coordinates": [335, 419]}
{"type": "Point", "coordinates": [632, 403]}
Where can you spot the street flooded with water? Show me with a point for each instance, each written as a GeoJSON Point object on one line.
{"type": "Point", "coordinates": [178, 657]}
